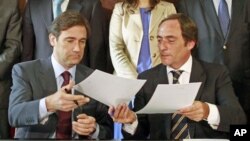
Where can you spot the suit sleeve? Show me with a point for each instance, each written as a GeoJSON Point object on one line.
{"type": "Point", "coordinates": [23, 110]}
{"type": "Point", "coordinates": [11, 46]}
{"type": "Point", "coordinates": [228, 105]}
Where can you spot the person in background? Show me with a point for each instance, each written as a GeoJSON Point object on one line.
{"type": "Point", "coordinates": [223, 39]}
{"type": "Point", "coordinates": [10, 50]}
{"type": "Point", "coordinates": [132, 37]}
{"type": "Point", "coordinates": [40, 102]}
{"type": "Point", "coordinates": [39, 15]}
{"type": "Point", "coordinates": [215, 107]}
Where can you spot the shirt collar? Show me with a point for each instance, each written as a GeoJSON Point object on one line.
{"type": "Point", "coordinates": [59, 69]}
{"type": "Point", "coordinates": [186, 67]}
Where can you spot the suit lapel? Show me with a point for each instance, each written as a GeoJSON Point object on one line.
{"type": "Point", "coordinates": [135, 17]}
{"type": "Point", "coordinates": [236, 16]}
{"type": "Point", "coordinates": [82, 72]}
{"type": "Point", "coordinates": [156, 16]}
{"type": "Point", "coordinates": [47, 77]}
{"type": "Point", "coordinates": [45, 9]}
{"type": "Point", "coordinates": [208, 7]}
{"type": "Point", "coordinates": [162, 75]}
{"type": "Point", "coordinates": [162, 78]}
{"type": "Point", "coordinates": [197, 75]}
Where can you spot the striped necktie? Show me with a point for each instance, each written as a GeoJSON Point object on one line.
{"type": "Point", "coordinates": [179, 126]}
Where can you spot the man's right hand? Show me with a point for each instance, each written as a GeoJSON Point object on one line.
{"type": "Point", "coordinates": [63, 101]}
{"type": "Point", "coordinates": [122, 114]}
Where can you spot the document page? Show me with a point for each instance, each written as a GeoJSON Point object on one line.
{"type": "Point", "coordinates": [169, 98]}
{"type": "Point", "coordinates": [109, 89]}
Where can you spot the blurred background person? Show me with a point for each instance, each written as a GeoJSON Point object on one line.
{"type": "Point", "coordinates": [223, 39]}
{"type": "Point", "coordinates": [133, 26]}
{"type": "Point", "coordinates": [10, 48]}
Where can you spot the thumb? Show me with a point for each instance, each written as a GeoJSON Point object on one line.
{"type": "Point", "coordinates": [67, 88]}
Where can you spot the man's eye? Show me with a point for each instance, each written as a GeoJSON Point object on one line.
{"type": "Point", "coordinates": [70, 41]}
{"type": "Point", "coordinates": [83, 41]}
{"type": "Point", "coordinates": [159, 40]}
{"type": "Point", "coordinates": [171, 41]}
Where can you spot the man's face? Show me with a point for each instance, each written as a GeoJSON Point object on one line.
{"type": "Point", "coordinates": [69, 48]}
{"type": "Point", "coordinates": [173, 50]}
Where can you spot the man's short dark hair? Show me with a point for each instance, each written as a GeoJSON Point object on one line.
{"type": "Point", "coordinates": [67, 20]}
{"type": "Point", "coordinates": [188, 27]}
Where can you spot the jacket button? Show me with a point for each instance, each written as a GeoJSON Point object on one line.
{"type": "Point", "coordinates": [151, 38]}
{"type": "Point", "coordinates": [224, 47]}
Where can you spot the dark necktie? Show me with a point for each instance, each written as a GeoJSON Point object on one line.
{"type": "Point", "coordinates": [64, 126]}
{"type": "Point", "coordinates": [223, 15]}
{"type": "Point", "coordinates": [179, 126]}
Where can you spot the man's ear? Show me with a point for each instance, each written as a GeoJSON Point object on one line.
{"type": "Point", "coordinates": [191, 44]}
{"type": "Point", "coordinates": [52, 39]}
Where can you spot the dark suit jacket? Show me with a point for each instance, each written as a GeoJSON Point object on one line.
{"type": "Point", "coordinates": [236, 52]}
{"type": "Point", "coordinates": [10, 48]}
{"type": "Point", "coordinates": [216, 89]}
{"type": "Point", "coordinates": [35, 80]}
{"type": "Point", "coordinates": [38, 17]}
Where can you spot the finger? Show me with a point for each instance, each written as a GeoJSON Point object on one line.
{"type": "Point", "coordinates": [126, 111]}
{"type": "Point", "coordinates": [87, 120]}
{"type": "Point", "coordinates": [111, 110]}
{"type": "Point", "coordinates": [122, 111]}
{"type": "Point", "coordinates": [69, 86]}
{"type": "Point", "coordinates": [117, 111]}
{"type": "Point", "coordinates": [78, 128]}
{"type": "Point", "coordinates": [83, 101]}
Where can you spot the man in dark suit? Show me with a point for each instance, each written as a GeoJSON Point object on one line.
{"type": "Point", "coordinates": [37, 98]}
{"type": "Point", "coordinates": [10, 48]}
{"type": "Point", "coordinates": [39, 15]}
{"type": "Point", "coordinates": [232, 50]}
{"type": "Point", "coordinates": [215, 107]}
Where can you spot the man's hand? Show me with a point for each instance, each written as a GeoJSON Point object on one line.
{"type": "Point", "coordinates": [197, 111]}
{"type": "Point", "coordinates": [85, 125]}
{"type": "Point", "coordinates": [63, 101]}
{"type": "Point", "coordinates": [122, 114]}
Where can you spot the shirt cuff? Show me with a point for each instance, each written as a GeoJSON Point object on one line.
{"type": "Point", "coordinates": [43, 113]}
{"type": "Point", "coordinates": [96, 133]}
{"type": "Point", "coordinates": [214, 116]}
{"type": "Point", "coordinates": [131, 128]}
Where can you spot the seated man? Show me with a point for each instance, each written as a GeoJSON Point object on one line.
{"type": "Point", "coordinates": [215, 107]}
{"type": "Point", "coordinates": [40, 104]}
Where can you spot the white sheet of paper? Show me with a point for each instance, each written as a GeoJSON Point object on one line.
{"type": "Point", "coordinates": [169, 98]}
{"type": "Point", "coordinates": [109, 89]}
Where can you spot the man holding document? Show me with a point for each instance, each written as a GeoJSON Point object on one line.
{"type": "Point", "coordinates": [215, 107]}
{"type": "Point", "coordinates": [41, 104]}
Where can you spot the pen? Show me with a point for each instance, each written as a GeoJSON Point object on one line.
{"type": "Point", "coordinates": [73, 93]}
